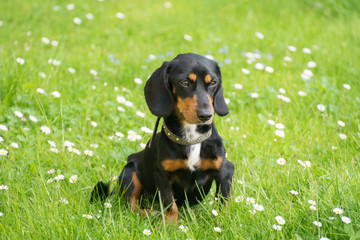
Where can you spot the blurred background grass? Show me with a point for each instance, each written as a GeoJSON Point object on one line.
{"type": "Point", "coordinates": [119, 50]}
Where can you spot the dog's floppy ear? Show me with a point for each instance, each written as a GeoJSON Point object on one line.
{"type": "Point", "coordinates": [157, 92]}
{"type": "Point", "coordinates": [220, 106]}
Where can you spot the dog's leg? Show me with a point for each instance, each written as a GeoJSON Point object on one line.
{"type": "Point", "coordinates": [224, 180]}
{"type": "Point", "coordinates": [131, 188]}
{"type": "Point", "coordinates": [167, 197]}
{"type": "Point", "coordinates": [172, 214]}
{"type": "Point", "coordinates": [135, 195]}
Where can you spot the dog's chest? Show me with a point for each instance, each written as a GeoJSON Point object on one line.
{"type": "Point", "coordinates": [194, 156]}
{"type": "Point", "coordinates": [194, 150]}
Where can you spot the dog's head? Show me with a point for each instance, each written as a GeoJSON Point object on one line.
{"type": "Point", "coordinates": [190, 87]}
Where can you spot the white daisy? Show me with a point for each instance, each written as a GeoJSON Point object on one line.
{"type": "Point", "coordinates": [214, 212]}
{"type": "Point", "coordinates": [245, 71]}
{"type": "Point", "coordinates": [45, 40]}
{"type": "Point", "coordinates": [258, 207]}
{"type": "Point", "coordinates": [321, 107]}
{"type": "Point", "coordinates": [341, 123]}
{"type": "Point", "coordinates": [45, 129]}
{"type": "Point", "coordinates": [293, 192]}
{"type": "Point", "coordinates": [277, 227]}
{"type": "Point", "coordinates": [3, 127]}
{"type": "Point", "coordinates": [88, 216]}
{"type": "Point", "coordinates": [40, 90]}
{"type": "Point", "coordinates": [188, 37]}
{"type": "Point", "coordinates": [14, 145]}
{"type": "Point", "coordinates": [120, 15]}
{"type": "Point", "coordinates": [312, 202]}
{"type": "Point", "coordinates": [338, 210]}
{"type": "Point", "coordinates": [138, 81]}
{"type": "Point", "coordinates": [312, 208]}
{"type": "Point", "coordinates": [271, 122]}
{"type": "Point", "coordinates": [280, 220]}
{"type": "Point", "coordinates": [168, 5]}
{"type": "Point", "coordinates": [259, 66]}
{"type": "Point", "coordinates": [147, 232]}
{"type": "Point", "coordinates": [217, 229]}
{"type": "Point", "coordinates": [250, 200]}
{"type": "Point", "coordinates": [54, 43]}
{"type": "Point", "coordinates": [183, 228]}
{"type": "Point", "coordinates": [287, 59]}
{"type": "Point", "coordinates": [140, 114]}
{"type": "Point", "coordinates": [281, 161]}
{"type": "Point", "coordinates": [302, 93]}
{"type": "Point", "coordinates": [89, 16]}
{"type": "Point", "coordinates": [73, 179]}
{"type": "Point", "coordinates": [18, 114]}
{"type": "Point", "coordinates": [342, 136]}
{"type": "Point", "coordinates": [71, 70]}
{"type": "Point", "coordinates": [317, 223]}
{"type": "Point", "coordinates": [55, 150]}
{"type": "Point", "coordinates": [107, 205]}
{"type": "Point", "coordinates": [259, 35]}
{"type": "Point", "coordinates": [346, 219]}
{"type": "Point", "coordinates": [239, 199]}
{"type": "Point", "coordinates": [254, 95]}
{"type": "Point", "coordinates": [269, 69]}
{"type": "Point", "coordinates": [93, 72]}
{"type": "Point", "coordinates": [56, 94]}
{"type": "Point", "coordinates": [280, 133]}
{"type": "Point", "coordinates": [238, 86]}
{"type": "Point", "coordinates": [70, 6]}
{"type": "Point", "coordinates": [346, 86]}
{"type": "Point", "coordinates": [77, 21]}
{"type": "Point", "coordinates": [306, 50]}
{"type": "Point", "coordinates": [146, 130]}
{"type": "Point", "coordinates": [64, 201]}
{"type": "Point", "coordinates": [292, 48]}
{"type": "Point", "coordinates": [88, 153]}
{"type": "Point", "coordinates": [20, 61]}
{"type": "Point", "coordinates": [311, 64]}
{"type": "Point", "coordinates": [32, 118]}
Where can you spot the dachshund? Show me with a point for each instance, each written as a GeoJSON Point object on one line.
{"type": "Point", "coordinates": [180, 163]}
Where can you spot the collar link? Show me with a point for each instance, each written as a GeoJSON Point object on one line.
{"type": "Point", "coordinates": [182, 141]}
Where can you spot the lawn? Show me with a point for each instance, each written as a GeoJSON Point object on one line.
{"type": "Point", "coordinates": [72, 109]}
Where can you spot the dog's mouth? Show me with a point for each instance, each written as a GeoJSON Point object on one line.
{"type": "Point", "coordinates": [203, 128]}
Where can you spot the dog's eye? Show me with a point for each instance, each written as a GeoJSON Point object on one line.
{"type": "Point", "coordinates": [213, 83]}
{"type": "Point", "coordinates": [185, 83]}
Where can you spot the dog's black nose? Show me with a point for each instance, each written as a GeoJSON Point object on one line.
{"type": "Point", "coordinates": [204, 118]}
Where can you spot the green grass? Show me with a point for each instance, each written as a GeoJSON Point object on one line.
{"type": "Point", "coordinates": [31, 207]}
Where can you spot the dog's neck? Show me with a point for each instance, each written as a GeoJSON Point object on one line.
{"type": "Point", "coordinates": [190, 132]}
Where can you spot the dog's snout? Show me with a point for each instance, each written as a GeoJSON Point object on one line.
{"type": "Point", "coordinates": [204, 116]}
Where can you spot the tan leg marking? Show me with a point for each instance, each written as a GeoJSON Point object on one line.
{"type": "Point", "coordinates": [171, 165]}
{"type": "Point", "coordinates": [172, 214]}
{"type": "Point", "coordinates": [136, 192]}
{"type": "Point", "coordinates": [207, 164]}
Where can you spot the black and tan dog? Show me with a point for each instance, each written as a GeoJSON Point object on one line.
{"type": "Point", "coordinates": [181, 162]}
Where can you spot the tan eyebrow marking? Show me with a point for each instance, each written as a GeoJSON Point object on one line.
{"type": "Point", "coordinates": [208, 78]}
{"type": "Point", "coordinates": [192, 76]}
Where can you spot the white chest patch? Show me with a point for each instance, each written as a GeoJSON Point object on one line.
{"type": "Point", "coordinates": [194, 156]}
{"type": "Point", "coordinates": [194, 151]}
